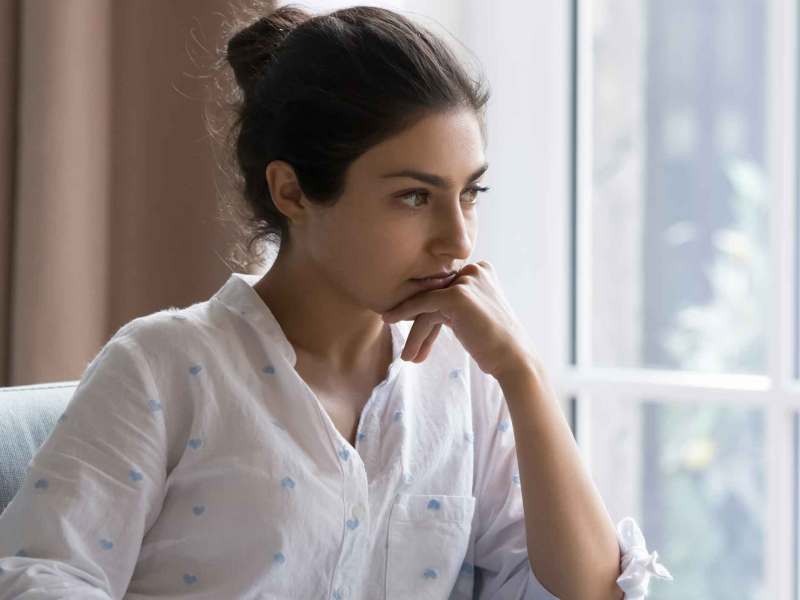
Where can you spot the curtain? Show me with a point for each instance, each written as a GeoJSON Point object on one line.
{"type": "Point", "coordinates": [108, 180]}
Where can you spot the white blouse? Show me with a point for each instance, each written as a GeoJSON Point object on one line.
{"type": "Point", "coordinates": [192, 461]}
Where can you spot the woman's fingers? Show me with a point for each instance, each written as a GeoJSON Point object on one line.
{"type": "Point", "coordinates": [423, 325]}
{"type": "Point", "coordinates": [428, 344]}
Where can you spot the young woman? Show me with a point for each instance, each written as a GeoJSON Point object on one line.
{"type": "Point", "coordinates": [368, 420]}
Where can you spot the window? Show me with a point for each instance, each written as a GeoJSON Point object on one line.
{"type": "Point", "coordinates": [684, 353]}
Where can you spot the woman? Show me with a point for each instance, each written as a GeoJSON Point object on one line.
{"type": "Point", "coordinates": [350, 425]}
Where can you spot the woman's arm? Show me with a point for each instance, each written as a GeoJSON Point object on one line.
{"type": "Point", "coordinates": [75, 527]}
{"type": "Point", "coordinates": [572, 544]}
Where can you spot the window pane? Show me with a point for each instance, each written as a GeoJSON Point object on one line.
{"type": "Point", "coordinates": [693, 476]}
{"type": "Point", "coordinates": [679, 202]}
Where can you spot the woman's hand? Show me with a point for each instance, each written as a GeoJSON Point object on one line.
{"type": "Point", "coordinates": [474, 307]}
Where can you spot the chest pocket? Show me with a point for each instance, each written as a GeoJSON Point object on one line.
{"type": "Point", "coordinates": [428, 541]}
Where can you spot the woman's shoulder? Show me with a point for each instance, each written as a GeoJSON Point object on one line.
{"type": "Point", "coordinates": [165, 334]}
{"type": "Point", "coordinates": [160, 326]}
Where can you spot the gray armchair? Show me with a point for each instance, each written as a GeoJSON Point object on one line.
{"type": "Point", "coordinates": [28, 413]}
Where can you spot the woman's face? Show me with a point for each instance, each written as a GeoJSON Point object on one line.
{"type": "Point", "coordinates": [387, 229]}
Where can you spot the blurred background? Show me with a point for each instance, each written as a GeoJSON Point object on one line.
{"type": "Point", "coordinates": [643, 220]}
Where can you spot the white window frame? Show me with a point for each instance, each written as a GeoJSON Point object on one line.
{"type": "Point", "coordinates": [777, 392]}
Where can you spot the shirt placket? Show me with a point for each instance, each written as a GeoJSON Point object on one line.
{"type": "Point", "coordinates": [356, 525]}
{"type": "Point", "coordinates": [356, 496]}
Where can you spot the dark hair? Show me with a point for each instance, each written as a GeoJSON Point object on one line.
{"type": "Point", "coordinates": [317, 91]}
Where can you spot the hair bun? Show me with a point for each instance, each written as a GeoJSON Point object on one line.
{"type": "Point", "coordinates": [252, 48]}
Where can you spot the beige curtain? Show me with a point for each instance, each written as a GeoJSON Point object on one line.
{"type": "Point", "coordinates": [108, 203]}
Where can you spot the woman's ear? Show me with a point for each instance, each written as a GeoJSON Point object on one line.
{"type": "Point", "coordinates": [285, 191]}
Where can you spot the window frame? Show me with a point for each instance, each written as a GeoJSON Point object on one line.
{"type": "Point", "coordinates": [777, 391]}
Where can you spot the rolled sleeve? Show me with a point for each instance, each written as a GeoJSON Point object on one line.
{"type": "Point", "coordinates": [637, 564]}
{"type": "Point", "coordinates": [75, 527]}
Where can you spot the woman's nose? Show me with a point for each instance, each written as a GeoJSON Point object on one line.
{"type": "Point", "coordinates": [455, 231]}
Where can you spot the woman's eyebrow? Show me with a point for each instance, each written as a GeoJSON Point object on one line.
{"type": "Point", "coordinates": [434, 180]}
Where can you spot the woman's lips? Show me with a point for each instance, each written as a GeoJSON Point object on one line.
{"type": "Point", "coordinates": [433, 283]}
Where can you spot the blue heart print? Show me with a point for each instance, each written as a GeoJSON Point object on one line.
{"type": "Point", "coordinates": [106, 544]}
{"type": "Point", "coordinates": [62, 418]}
{"type": "Point", "coordinates": [398, 415]}
{"type": "Point", "coordinates": [352, 523]}
{"type": "Point", "coordinates": [287, 482]}
{"type": "Point", "coordinates": [135, 475]}
{"type": "Point", "coordinates": [189, 579]}
{"type": "Point", "coordinates": [515, 479]}
{"type": "Point", "coordinates": [503, 426]}
{"type": "Point", "coordinates": [430, 574]}
{"type": "Point", "coordinates": [269, 370]}
{"type": "Point", "coordinates": [198, 509]}
{"type": "Point", "coordinates": [41, 484]}
{"type": "Point", "coordinates": [195, 443]}
{"type": "Point", "coordinates": [434, 504]}
{"type": "Point", "coordinates": [154, 405]}
{"type": "Point", "coordinates": [195, 369]}
{"type": "Point", "coordinates": [344, 453]}
{"type": "Point", "coordinates": [455, 373]}
{"type": "Point", "coordinates": [279, 557]}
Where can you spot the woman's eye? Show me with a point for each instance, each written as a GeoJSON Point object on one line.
{"type": "Point", "coordinates": [412, 194]}
{"type": "Point", "coordinates": [474, 191]}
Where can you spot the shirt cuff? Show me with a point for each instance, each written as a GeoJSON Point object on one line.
{"type": "Point", "coordinates": [637, 564]}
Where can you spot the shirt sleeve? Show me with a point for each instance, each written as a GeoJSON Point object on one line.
{"type": "Point", "coordinates": [92, 490]}
{"type": "Point", "coordinates": [502, 569]}
{"type": "Point", "coordinates": [638, 565]}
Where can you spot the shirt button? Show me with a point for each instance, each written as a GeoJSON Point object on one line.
{"type": "Point", "coordinates": [359, 512]}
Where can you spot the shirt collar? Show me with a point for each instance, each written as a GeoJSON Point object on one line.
{"type": "Point", "coordinates": [238, 295]}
